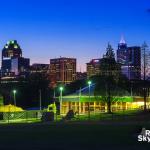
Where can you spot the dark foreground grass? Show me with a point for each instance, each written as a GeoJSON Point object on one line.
{"type": "Point", "coordinates": [73, 136]}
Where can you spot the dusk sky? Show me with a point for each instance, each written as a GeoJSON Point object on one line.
{"type": "Point", "coordinates": [73, 28]}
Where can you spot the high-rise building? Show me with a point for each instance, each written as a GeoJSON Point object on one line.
{"type": "Point", "coordinates": [134, 62]}
{"type": "Point", "coordinates": [11, 50]}
{"type": "Point", "coordinates": [20, 66]}
{"type": "Point", "coordinates": [62, 70]}
{"type": "Point", "coordinates": [13, 64]}
{"type": "Point", "coordinates": [145, 61]}
{"type": "Point", "coordinates": [122, 52]}
{"type": "Point", "coordinates": [123, 57]}
{"type": "Point", "coordinates": [130, 60]}
{"type": "Point", "coordinates": [93, 67]}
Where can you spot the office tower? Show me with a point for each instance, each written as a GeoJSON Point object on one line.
{"type": "Point", "coordinates": [145, 61]}
{"type": "Point", "coordinates": [122, 52]}
{"type": "Point", "coordinates": [130, 60]}
{"type": "Point", "coordinates": [62, 70]}
{"type": "Point", "coordinates": [134, 63]}
{"type": "Point", "coordinates": [20, 66]}
{"type": "Point", "coordinates": [122, 56]}
{"type": "Point", "coordinates": [13, 64]}
{"type": "Point", "coordinates": [93, 67]}
{"type": "Point", "coordinates": [11, 50]}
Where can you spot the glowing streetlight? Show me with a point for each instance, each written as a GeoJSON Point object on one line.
{"type": "Point", "coordinates": [89, 83]}
{"type": "Point", "coordinates": [40, 98]}
{"type": "Point", "coordinates": [61, 90]}
{"type": "Point", "coordinates": [14, 93]}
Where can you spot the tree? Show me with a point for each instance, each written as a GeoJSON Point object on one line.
{"type": "Point", "coordinates": [108, 89]}
{"type": "Point", "coordinates": [27, 90]}
{"type": "Point", "coordinates": [34, 85]}
{"type": "Point", "coordinates": [110, 83]}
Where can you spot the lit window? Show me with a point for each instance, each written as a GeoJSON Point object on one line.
{"type": "Point", "coordinates": [15, 46]}
{"type": "Point", "coordinates": [12, 42]}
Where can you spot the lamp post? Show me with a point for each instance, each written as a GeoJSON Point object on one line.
{"type": "Point", "coordinates": [89, 83]}
{"type": "Point", "coordinates": [79, 103]}
{"type": "Point", "coordinates": [54, 94]}
{"type": "Point", "coordinates": [14, 93]}
{"type": "Point", "coordinates": [40, 98]}
{"type": "Point", "coordinates": [61, 89]}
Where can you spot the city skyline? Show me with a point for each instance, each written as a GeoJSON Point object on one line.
{"type": "Point", "coordinates": [73, 29]}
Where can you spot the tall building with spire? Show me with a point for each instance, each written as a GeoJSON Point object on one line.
{"type": "Point", "coordinates": [130, 59]}
{"type": "Point", "coordinates": [122, 53]}
{"type": "Point", "coordinates": [122, 56]}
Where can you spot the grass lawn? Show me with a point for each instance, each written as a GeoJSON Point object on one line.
{"type": "Point", "coordinates": [73, 136]}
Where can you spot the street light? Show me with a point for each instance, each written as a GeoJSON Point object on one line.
{"type": "Point", "coordinates": [89, 83]}
{"type": "Point", "coordinates": [40, 98]}
{"type": "Point", "coordinates": [61, 89]}
{"type": "Point", "coordinates": [14, 92]}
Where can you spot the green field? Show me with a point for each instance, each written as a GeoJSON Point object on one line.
{"type": "Point", "coordinates": [73, 136]}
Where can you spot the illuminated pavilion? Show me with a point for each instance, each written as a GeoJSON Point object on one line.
{"type": "Point", "coordinates": [81, 99]}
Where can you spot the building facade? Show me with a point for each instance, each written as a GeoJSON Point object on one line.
{"type": "Point", "coordinates": [81, 76]}
{"type": "Point", "coordinates": [134, 61]}
{"type": "Point", "coordinates": [145, 61]}
{"type": "Point", "coordinates": [93, 67]}
{"type": "Point", "coordinates": [13, 64]}
{"type": "Point", "coordinates": [62, 70]}
{"type": "Point", "coordinates": [130, 60]}
{"type": "Point", "coordinates": [80, 102]}
{"type": "Point", "coordinates": [20, 66]}
{"type": "Point", "coordinates": [39, 68]}
{"type": "Point", "coordinates": [122, 52]}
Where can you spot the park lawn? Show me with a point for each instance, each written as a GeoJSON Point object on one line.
{"type": "Point", "coordinates": [72, 135]}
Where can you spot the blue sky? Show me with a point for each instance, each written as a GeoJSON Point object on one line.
{"type": "Point", "coordinates": [73, 28]}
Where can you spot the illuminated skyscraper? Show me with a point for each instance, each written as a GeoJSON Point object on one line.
{"type": "Point", "coordinates": [122, 52]}
{"type": "Point", "coordinates": [130, 60]}
{"type": "Point", "coordinates": [134, 62]}
{"type": "Point", "coordinates": [93, 67]}
{"type": "Point", "coordinates": [62, 70]}
{"type": "Point", "coordinates": [145, 61]}
{"type": "Point", "coordinates": [11, 50]}
{"type": "Point", "coordinates": [12, 61]}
